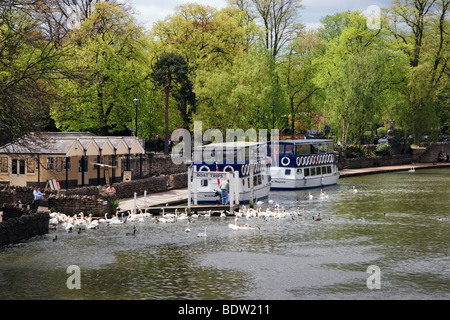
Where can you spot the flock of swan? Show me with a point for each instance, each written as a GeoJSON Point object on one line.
{"type": "Point", "coordinates": [80, 222]}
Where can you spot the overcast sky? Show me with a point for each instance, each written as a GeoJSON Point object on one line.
{"type": "Point", "coordinates": [150, 11]}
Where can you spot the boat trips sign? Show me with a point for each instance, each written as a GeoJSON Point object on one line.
{"type": "Point", "coordinates": [210, 175]}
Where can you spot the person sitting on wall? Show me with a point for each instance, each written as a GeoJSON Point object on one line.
{"type": "Point", "coordinates": [441, 157]}
{"type": "Point", "coordinates": [38, 196]}
{"type": "Point", "coordinates": [111, 189]}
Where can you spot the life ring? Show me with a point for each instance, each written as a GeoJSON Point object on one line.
{"type": "Point", "coordinates": [303, 161]}
{"type": "Point", "coordinates": [330, 158]}
{"type": "Point", "coordinates": [308, 160]}
{"type": "Point", "coordinates": [243, 170]}
{"type": "Point", "coordinates": [228, 167]}
{"type": "Point", "coordinates": [203, 167]}
{"type": "Point", "coordinates": [321, 159]}
{"type": "Point", "coordinates": [283, 161]}
{"type": "Point", "coordinates": [316, 159]}
{"type": "Point", "coordinates": [298, 162]}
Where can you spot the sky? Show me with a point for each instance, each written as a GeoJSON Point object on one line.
{"type": "Point", "coordinates": [150, 11]}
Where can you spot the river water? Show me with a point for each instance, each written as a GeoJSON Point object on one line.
{"type": "Point", "coordinates": [285, 259]}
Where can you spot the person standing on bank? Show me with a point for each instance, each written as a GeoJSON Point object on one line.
{"type": "Point", "coordinates": [225, 188]}
{"type": "Point", "coordinates": [37, 197]}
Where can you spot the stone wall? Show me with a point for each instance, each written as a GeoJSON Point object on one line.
{"type": "Point", "coordinates": [152, 165]}
{"type": "Point", "coordinates": [21, 224]}
{"type": "Point", "coordinates": [375, 161]}
{"type": "Point", "coordinates": [432, 152]}
{"type": "Point", "coordinates": [13, 194]}
{"type": "Point", "coordinates": [92, 199]}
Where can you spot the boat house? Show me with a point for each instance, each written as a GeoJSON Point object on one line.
{"type": "Point", "coordinates": [69, 158]}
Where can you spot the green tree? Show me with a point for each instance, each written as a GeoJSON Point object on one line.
{"type": "Point", "coordinates": [241, 95]}
{"type": "Point", "coordinates": [280, 20]}
{"type": "Point", "coordinates": [420, 29]}
{"type": "Point", "coordinates": [296, 75]}
{"type": "Point", "coordinates": [30, 63]}
{"type": "Point", "coordinates": [358, 75]}
{"type": "Point", "coordinates": [171, 69]}
{"type": "Point", "coordinates": [108, 69]}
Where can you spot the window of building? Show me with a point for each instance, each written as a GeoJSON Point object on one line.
{"type": "Point", "coordinates": [3, 165]}
{"type": "Point", "coordinates": [31, 165]}
{"type": "Point", "coordinates": [67, 165]}
{"type": "Point", "coordinates": [50, 163]}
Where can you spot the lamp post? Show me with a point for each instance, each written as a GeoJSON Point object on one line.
{"type": "Point", "coordinates": [136, 102]}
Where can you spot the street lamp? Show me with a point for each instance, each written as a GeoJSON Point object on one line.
{"type": "Point", "coordinates": [136, 102]}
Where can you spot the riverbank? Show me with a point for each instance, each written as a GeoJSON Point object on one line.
{"type": "Point", "coordinates": [177, 196]}
{"type": "Point", "coordinates": [386, 169]}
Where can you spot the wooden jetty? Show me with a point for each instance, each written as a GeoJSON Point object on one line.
{"type": "Point", "coordinates": [215, 210]}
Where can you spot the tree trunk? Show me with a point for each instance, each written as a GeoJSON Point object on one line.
{"type": "Point", "coordinates": [166, 115]}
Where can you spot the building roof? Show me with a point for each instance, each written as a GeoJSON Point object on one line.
{"type": "Point", "coordinates": [73, 144]}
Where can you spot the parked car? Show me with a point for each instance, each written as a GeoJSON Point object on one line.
{"type": "Point", "coordinates": [314, 134]}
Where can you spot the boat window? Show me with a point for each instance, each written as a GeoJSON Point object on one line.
{"type": "Point", "coordinates": [289, 148]}
{"type": "Point", "coordinates": [259, 179]}
{"type": "Point", "coordinates": [302, 149]}
{"type": "Point", "coordinates": [248, 183]}
{"type": "Point", "coordinates": [204, 183]}
{"type": "Point", "coordinates": [287, 172]}
{"type": "Point", "coordinates": [329, 169]}
{"type": "Point", "coordinates": [299, 171]}
{"type": "Point", "coordinates": [322, 148]}
{"type": "Point", "coordinates": [313, 171]}
{"type": "Point", "coordinates": [307, 172]}
{"type": "Point", "coordinates": [314, 148]}
{"type": "Point", "coordinates": [330, 147]}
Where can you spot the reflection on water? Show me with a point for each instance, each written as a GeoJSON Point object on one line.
{"type": "Point", "coordinates": [397, 221]}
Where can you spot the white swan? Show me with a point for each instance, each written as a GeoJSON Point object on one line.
{"type": "Point", "coordinates": [412, 169]}
{"type": "Point", "coordinates": [202, 234]}
{"type": "Point", "coordinates": [234, 225]}
{"type": "Point", "coordinates": [310, 196]}
{"type": "Point", "coordinates": [187, 229]}
{"type": "Point", "coordinates": [354, 190]}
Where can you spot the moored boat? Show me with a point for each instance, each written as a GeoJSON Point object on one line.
{"type": "Point", "coordinates": [245, 164]}
{"type": "Point", "coordinates": [303, 164]}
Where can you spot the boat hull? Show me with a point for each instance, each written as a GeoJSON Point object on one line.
{"type": "Point", "coordinates": [212, 197]}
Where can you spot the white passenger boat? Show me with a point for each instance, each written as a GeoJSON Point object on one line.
{"type": "Point", "coordinates": [302, 164]}
{"type": "Point", "coordinates": [246, 165]}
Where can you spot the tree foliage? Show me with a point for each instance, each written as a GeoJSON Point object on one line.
{"type": "Point", "coordinates": [80, 63]}
{"type": "Point", "coordinates": [108, 69]}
